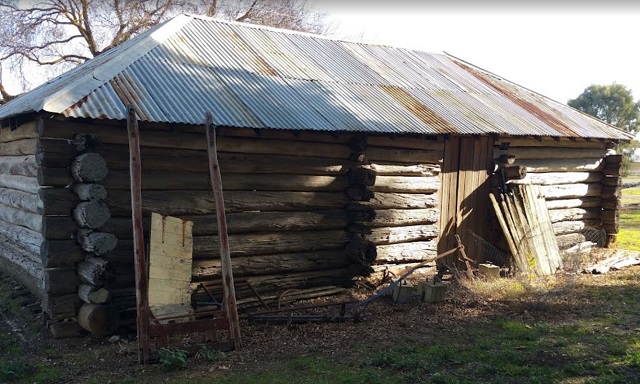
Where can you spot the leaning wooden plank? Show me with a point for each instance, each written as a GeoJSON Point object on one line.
{"type": "Point", "coordinates": [228, 286]}
{"type": "Point", "coordinates": [506, 231]}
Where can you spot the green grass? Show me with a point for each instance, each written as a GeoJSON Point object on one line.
{"type": "Point", "coordinates": [629, 236]}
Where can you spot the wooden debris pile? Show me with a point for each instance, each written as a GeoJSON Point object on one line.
{"type": "Point", "coordinates": [619, 260]}
{"type": "Point", "coordinates": [526, 225]}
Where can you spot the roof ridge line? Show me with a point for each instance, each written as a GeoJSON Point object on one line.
{"type": "Point", "coordinates": [102, 74]}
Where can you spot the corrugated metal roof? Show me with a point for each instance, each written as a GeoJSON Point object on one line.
{"type": "Point", "coordinates": [252, 76]}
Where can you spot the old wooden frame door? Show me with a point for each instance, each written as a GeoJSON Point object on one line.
{"type": "Point", "coordinates": [464, 193]}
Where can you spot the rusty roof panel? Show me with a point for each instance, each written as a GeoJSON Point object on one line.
{"type": "Point", "coordinates": [253, 76]}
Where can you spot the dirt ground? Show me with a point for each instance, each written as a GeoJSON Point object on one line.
{"type": "Point", "coordinates": [89, 359]}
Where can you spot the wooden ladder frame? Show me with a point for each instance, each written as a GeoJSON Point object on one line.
{"type": "Point", "coordinates": [147, 325]}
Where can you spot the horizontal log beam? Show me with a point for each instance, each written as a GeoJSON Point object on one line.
{"type": "Point", "coordinates": [22, 266]}
{"type": "Point", "coordinates": [19, 165]}
{"type": "Point", "coordinates": [21, 200]}
{"type": "Point", "coordinates": [522, 153]}
{"type": "Point", "coordinates": [403, 217]}
{"type": "Point", "coordinates": [54, 177]}
{"type": "Point", "coordinates": [557, 142]}
{"type": "Point", "coordinates": [19, 147]}
{"type": "Point", "coordinates": [196, 161]}
{"type": "Point", "coordinates": [585, 202]}
{"type": "Point", "coordinates": [394, 235]}
{"type": "Point", "coordinates": [55, 153]}
{"type": "Point", "coordinates": [207, 247]}
{"type": "Point", "coordinates": [555, 178]}
{"type": "Point", "coordinates": [27, 184]}
{"type": "Point", "coordinates": [22, 237]}
{"type": "Point", "coordinates": [424, 143]}
{"type": "Point", "coordinates": [19, 217]}
{"type": "Point", "coordinates": [572, 214]}
{"type": "Point", "coordinates": [404, 170]}
{"type": "Point", "coordinates": [567, 191]}
{"type": "Point", "coordinates": [406, 252]}
{"type": "Point", "coordinates": [561, 165]}
{"type": "Point", "coordinates": [246, 222]}
{"type": "Point", "coordinates": [182, 140]}
{"type": "Point", "coordinates": [383, 200]}
{"type": "Point", "coordinates": [58, 227]}
{"type": "Point", "coordinates": [272, 264]}
{"type": "Point", "coordinates": [158, 180]}
{"type": "Point", "coordinates": [414, 156]}
{"type": "Point", "coordinates": [62, 306]}
{"type": "Point", "coordinates": [404, 184]}
{"type": "Point", "coordinates": [61, 253]}
{"type": "Point", "coordinates": [28, 130]}
{"type": "Point", "coordinates": [190, 202]}
{"type": "Point", "coordinates": [564, 227]}
{"type": "Point", "coordinates": [59, 281]}
{"type": "Point", "coordinates": [57, 201]}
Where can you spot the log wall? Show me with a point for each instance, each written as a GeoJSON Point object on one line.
{"type": "Point", "coordinates": [304, 209]}
{"type": "Point", "coordinates": [580, 180]}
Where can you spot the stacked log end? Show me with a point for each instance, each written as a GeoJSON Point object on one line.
{"type": "Point", "coordinates": [579, 182]}
{"type": "Point", "coordinates": [74, 213]}
{"type": "Point", "coordinates": [611, 193]}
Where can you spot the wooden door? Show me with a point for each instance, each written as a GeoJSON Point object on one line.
{"type": "Point", "coordinates": [464, 194]}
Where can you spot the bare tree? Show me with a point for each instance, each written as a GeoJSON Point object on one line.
{"type": "Point", "coordinates": [53, 35]}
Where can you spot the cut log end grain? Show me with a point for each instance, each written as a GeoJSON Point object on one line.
{"type": "Point", "coordinates": [91, 214]}
{"type": "Point", "coordinates": [100, 320]}
{"type": "Point", "coordinates": [89, 167]}
{"type": "Point", "coordinates": [96, 271]}
{"type": "Point", "coordinates": [98, 243]}
{"type": "Point", "coordinates": [90, 192]}
{"type": "Point", "coordinates": [93, 295]}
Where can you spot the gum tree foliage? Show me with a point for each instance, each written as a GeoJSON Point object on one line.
{"type": "Point", "coordinates": [51, 36]}
{"type": "Point", "coordinates": [613, 104]}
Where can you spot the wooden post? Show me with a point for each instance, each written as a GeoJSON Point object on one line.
{"type": "Point", "coordinates": [228, 286]}
{"type": "Point", "coordinates": [142, 297]}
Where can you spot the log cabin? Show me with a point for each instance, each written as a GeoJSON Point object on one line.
{"type": "Point", "coordinates": [339, 159]}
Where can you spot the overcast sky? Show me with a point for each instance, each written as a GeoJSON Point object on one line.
{"type": "Point", "coordinates": [557, 48]}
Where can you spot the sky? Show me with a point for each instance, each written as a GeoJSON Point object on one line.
{"type": "Point", "coordinates": [557, 48]}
